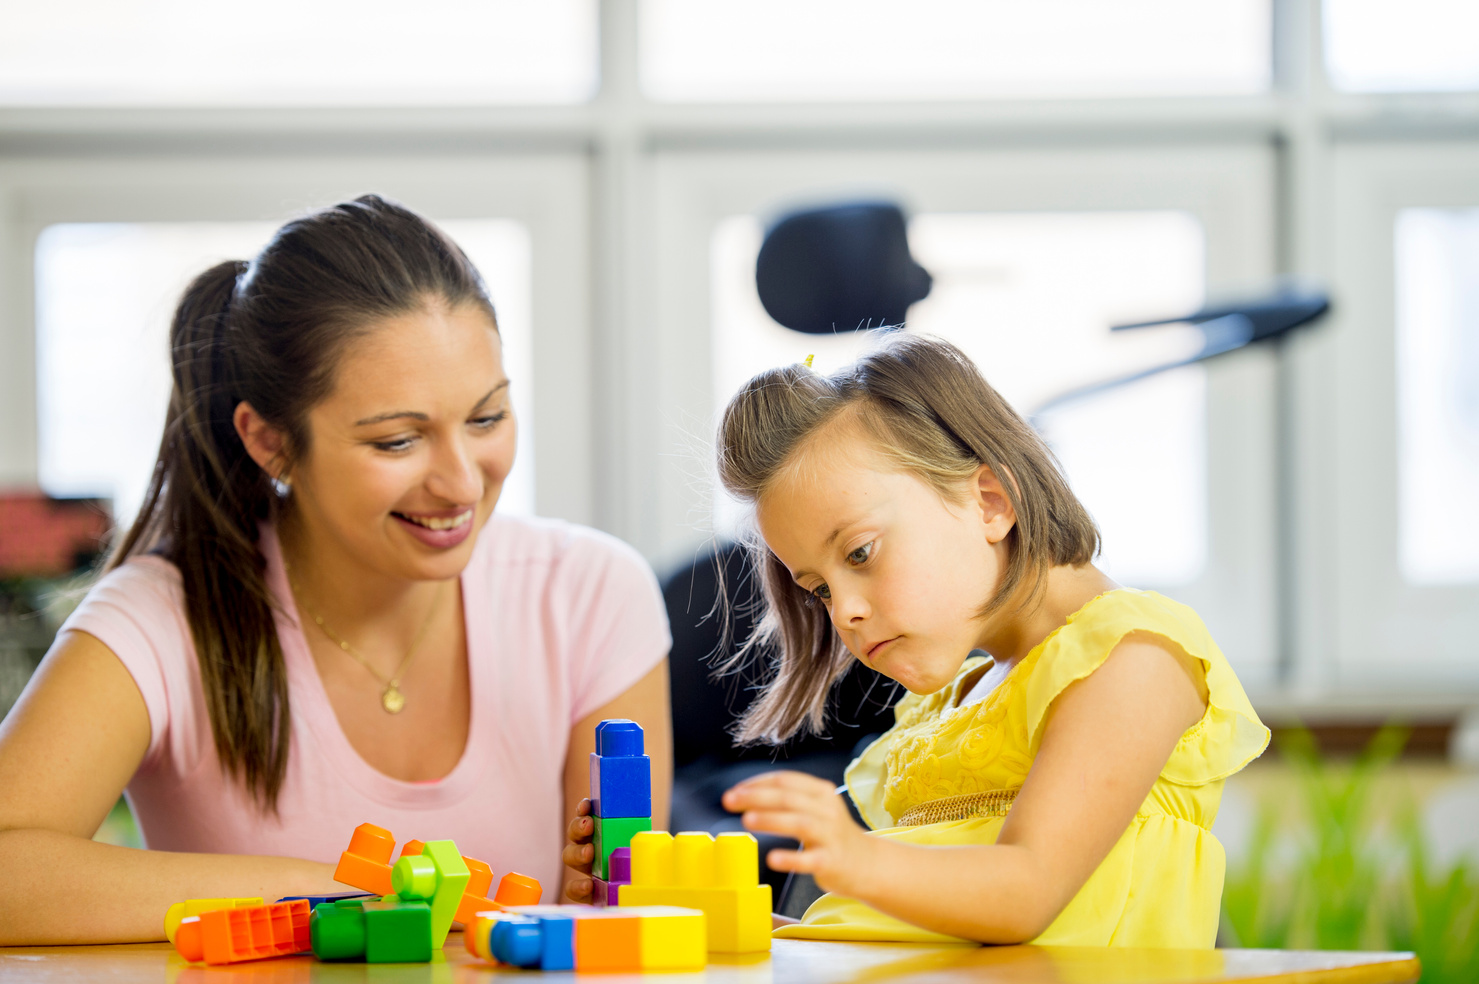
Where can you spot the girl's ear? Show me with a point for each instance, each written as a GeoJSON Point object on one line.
{"type": "Point", "coordinates": [990, 497]}
{"type": "Point", "coordinates": [265, 443]}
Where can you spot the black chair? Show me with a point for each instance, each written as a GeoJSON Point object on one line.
{"type": "Point", "coordinates": [705, 708]}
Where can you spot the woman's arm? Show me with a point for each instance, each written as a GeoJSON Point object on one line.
{"type": "Point", "coordinates": [1107, 739]}
{"type": "Point", "coordinates": [67, 749]}
{"type": "Point", "coordinates": [645, 702]}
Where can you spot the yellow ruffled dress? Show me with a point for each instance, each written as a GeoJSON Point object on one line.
{"type": "Point", "coordinates": [946, 775]}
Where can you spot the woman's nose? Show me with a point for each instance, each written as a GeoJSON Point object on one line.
{"type": "Point", "coordinates": [454, 475]}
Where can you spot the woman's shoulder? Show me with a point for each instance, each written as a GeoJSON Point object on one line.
{"type": "Point", "coordinates": [142, 585]}
{"type": "Point", "coordinates": [567, 560]}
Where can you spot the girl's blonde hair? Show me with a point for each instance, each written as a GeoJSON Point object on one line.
{"type": "Point", "coordinates": [930, 413]}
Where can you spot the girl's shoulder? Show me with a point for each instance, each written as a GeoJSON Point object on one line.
{"type": "Point", "coordinates": [1229, 734]}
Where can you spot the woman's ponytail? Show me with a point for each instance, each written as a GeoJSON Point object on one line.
{"type": "Point", "coordinates": [205, 502]}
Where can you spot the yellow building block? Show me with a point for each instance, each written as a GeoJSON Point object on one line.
{"type": "Point", "coordinates": [194, 907]}
{"type": "Point", "coordinates": [693, 871]}
{"type": "Point", "coordinates": [672, 938]}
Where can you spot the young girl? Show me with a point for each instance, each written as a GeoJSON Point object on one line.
{"type": "Point", "coordinates": [1057, 764]}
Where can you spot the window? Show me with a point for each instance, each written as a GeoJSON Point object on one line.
{"type": "Point", "coordinates": [1030, 298]}
{"type": "Point", "coordinates": [282, 53]}
{"type": "Point", "coordinates": [105, 293]}
{"type": "Point", "coordinates": [1417, 45]}
{"type": "Point", "coordinates": [1437, 282]}
{"type": "Point", "coordinates": [825, 50]}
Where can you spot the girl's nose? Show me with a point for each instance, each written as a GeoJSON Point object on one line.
{"type": "Point", "coordinates": [455, 476]}
{"type": "Point", "coordinates": [849, 608]}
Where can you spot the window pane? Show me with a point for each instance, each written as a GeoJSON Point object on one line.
{"type": "Point", "coordinates": [1417, 45]}
{"type": "Point", "coordinates": [105, 293]}
{"type": "Point", "coordinates": [1029, 297]}
{"type": "Point", "coordinates": [285, 53]}
{"type": "Point", "coordinates": [798, 50]}
{"type": "Point", "coordinates": [1437, 254]}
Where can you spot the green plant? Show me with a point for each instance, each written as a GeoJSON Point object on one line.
{"type": "Point", "coordinates": [1256, 898]}
{"type": "Point", "coordinates": [1436, 917]}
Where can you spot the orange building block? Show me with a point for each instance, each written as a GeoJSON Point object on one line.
{"type": "Point", "coordinates": [256, 932]}
{"type": "Point", "coordinates": [366, 865]}
{"type": "Point", "coordinates": [608, 942]}
{"type": "Point", "coordinates": [513, 889]}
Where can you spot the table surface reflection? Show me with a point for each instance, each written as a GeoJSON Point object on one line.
{"type": "Point", "coordinates": [792, 961]}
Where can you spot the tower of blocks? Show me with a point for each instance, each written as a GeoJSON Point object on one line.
{"type": "Point", "coordinates": [634, 865]}
{"type": "Point", "coordinates": [621, 791]}
{"type": "Point", "coordinates": [579, 938]}
{"type": "Point", "coordinates": [696, 871]}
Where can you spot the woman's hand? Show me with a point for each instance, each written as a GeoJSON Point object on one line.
{"type": "Point", "coordinates": [579, 853]}
{"type": "Point", "coordinates": [835, 850]}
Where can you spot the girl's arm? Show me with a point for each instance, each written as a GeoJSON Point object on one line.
{"type": "Point", "coordinates": [67, 749]}
{"type": "Point", "coordinates": [1107, 738]}
{"type": "Point", "coordinates": [645, 702]}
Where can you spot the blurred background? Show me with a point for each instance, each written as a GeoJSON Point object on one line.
{"type": "Point", "coordinates": [1065, 165]}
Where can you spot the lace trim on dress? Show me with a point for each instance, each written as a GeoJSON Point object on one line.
{"type": "Point", "coordinates": [970, 806]}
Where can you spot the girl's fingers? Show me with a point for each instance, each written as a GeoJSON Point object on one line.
{"type": "Point", "coordinates": [578, 856]}
{"type": "Point", "coordinates": [582, 827]}
{"type": "Point", "coordinates": [781, 859]}
{"type": "Point", "coordinates": [579, 890]}
{"type": "Point", "coordinates": [583, 808]}
{"type": "Point", "coordinates": [788, 779]}
{"type": "Point", "coordinates": [798, 826]}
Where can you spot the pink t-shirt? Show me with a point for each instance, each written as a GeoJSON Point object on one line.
{"type": "Point", "coordinates": [560, 620]}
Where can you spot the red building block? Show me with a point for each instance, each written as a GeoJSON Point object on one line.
{"type": "Point", "coordinates": [366, 865]}
{"type": "Point", "coordinates": [253, 933]}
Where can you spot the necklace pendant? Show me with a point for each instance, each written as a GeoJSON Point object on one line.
{"type": "Point", "coordinates": [392, 700]}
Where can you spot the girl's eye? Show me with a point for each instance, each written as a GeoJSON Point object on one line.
{"type": "Point", "coordinates": [822, 593]}
{"type": "Point", "coordinates": [487, 423]}
{"type": "Point", "coordinates": [860, 556]}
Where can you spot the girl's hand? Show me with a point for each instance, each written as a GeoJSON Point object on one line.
{"type": "Point", "coordinates": [835, 850]}
{"type": "Point", "coordinates": [579, 853]}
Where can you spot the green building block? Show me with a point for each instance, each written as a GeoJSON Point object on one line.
{"type": "Point", "coordinates": [437, 875]}
{"type": "Point", "coordinates": [397, 932]}
{"type": "Point", "coordinates": [337, 931]}
{"type": "Point", "coordinates": [611, 833]}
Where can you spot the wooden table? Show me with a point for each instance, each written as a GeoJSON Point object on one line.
{"type": "Point", "coordinates": [797, 961]}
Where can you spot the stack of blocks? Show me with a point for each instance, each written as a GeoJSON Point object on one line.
{"type": "Point", "coordinates": [621, 796]}
{"type": "Point", "coordinates": [634, 865]}
{"type": "Point", "coordinates": [579, 938]}
{"type": "Point", "coordinates": [696, 871]}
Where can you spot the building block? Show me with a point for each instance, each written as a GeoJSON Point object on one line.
{"type": "Point", "coordinates": [194, 907]}
{"type": "Point", "coordinates": [314, 901]}
{"type": "Point", "coordinates": [549, 937]}
{"type": "Point", "coordinates": [374, 931]}
{"type": "Point", "coordinates": [621, 775]}
{"type": "Point", "coordinates": [611, 833]}
{"type": "Point", "coordinates": [513, 889]}
{"type": "Point", "coordinates": [695, 871]}
{"type": "Point", "coordinates": [399, 931]}
{"type": "Point", "coordinates": [607, 940]}
{"type": "Point", "coordinates": [619, 870]}
{"type": "Point", "coordinates": [438, 876]}
{"type": "Point", "coordinates": [366, 865]}
{"type": "Point", "coordinates": [223, 936]}
{"type": "Point", "coordinates": [673, 938]}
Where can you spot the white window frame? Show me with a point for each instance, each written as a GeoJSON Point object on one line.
{"type": "Point", "coordinates": [547, 193]}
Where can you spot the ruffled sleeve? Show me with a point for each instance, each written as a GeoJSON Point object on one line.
{"type": "Point", "coordinates": [1228, 736]}
{"type": "Point", "coordinates": [867, 774]}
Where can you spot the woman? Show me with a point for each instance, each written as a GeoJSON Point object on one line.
{"type": "Point", "coordinates": [316, 619]}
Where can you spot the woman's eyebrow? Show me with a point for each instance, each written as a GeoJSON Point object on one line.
{"type": "Point", "coordinates": [380, 418]}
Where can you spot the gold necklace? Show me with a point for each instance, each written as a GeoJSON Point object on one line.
{"type": "Point", "coordinates": [391, 697]}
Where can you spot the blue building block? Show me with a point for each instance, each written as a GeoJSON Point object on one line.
{"type": "Point", "coordinates": [317, 900]}
{"type": "Point", "coordinates": [558, 944]}
{"type": "Point", "coordinates": [621, 775]}
{"type": "Point", "coordinates": [517, 940]}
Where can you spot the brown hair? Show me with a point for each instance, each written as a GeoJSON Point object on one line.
{"type": "Point", "coordinates": [932, 414]}
{"type": "Point", "coordinates": [269, 332]}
